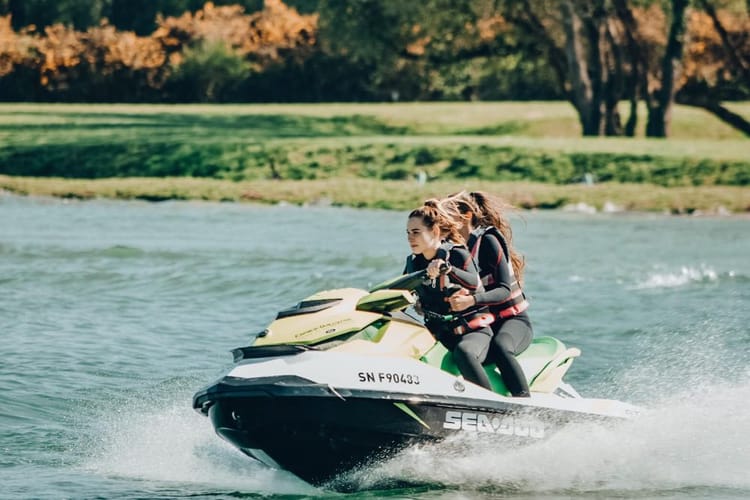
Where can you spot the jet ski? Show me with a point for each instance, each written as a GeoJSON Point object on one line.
{"type": "Point", "coordinates": [346, 377]}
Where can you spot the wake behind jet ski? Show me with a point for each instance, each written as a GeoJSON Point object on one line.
{"type": "Point", "coordinates": [347, 376]}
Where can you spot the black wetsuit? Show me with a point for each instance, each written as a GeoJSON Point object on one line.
{"type": "Point", "coordinates": [512, 334]}
{"type": "Point", "coordinates": [469, 349]}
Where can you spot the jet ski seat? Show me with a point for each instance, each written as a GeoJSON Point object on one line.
{"type": "Point", "coordinates": [544, 362]}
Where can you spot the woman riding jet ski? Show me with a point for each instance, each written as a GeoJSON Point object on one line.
{"type": "Point", "coordinates": [348, 376]}
{"type": "Point", "coordinates": [449, 268]}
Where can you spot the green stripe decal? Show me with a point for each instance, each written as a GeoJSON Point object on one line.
{"type": "Point", "coordinates": [408, 411]}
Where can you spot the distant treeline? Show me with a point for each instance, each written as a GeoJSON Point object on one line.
{"type": "Point", "coordinates": [593, 53]}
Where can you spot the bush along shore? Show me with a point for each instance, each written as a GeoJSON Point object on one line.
{"type": "Point", "coordinates": [394, 194]}
{"type": "Point", "coordinates": [308, 160]}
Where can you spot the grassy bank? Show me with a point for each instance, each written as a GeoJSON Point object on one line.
{"type": "Point", "coordinates": [378, 148]}
{"type": "Point", "coordinates": [399, 195]}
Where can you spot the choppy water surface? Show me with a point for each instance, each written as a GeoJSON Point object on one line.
{"type": "Point", "coordinates": [113, 314]}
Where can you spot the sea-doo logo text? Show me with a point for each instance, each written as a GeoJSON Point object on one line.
{"type": "Point", "coordinates": [327, 326]}
{"type": "Point", "coordinates": [479, 422]}
{"type": "Point", "coordinates": [389, 377]}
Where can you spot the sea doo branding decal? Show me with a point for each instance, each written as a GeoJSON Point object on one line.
{"type": "Point", "coordinates": [506, 424]}
{"type": "Point", "coordinates": [327, 327]}
{"type": "Point", "coordinates": [389, 377]}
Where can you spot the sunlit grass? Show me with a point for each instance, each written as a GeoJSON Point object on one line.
{"type": "Point", "coordinates": [335, 145]}
{"type": "Point", "coordinates": [398, 195]}
{"type": "Point", "coordinates": [532, 119]}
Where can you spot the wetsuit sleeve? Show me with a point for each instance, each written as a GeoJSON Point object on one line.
{"type": "Point", "coordinates": [492, 257]}
{"type": "Point", "coordinates": [463, 271]}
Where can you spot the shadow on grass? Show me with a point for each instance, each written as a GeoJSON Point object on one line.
{"type": "Point", "coordinates": [258, 125]}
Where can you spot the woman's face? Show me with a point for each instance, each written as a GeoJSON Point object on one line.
{"type": "Point", "coordinates": [422, 239]}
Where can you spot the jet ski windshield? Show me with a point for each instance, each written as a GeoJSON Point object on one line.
{"type": "Point", "coordinates": [307, 307]}
{"type": "Point", "coordinates": [405, 282]}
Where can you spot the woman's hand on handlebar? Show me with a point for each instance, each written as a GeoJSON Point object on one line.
{"type": "Point", "coordinates": [437, 267]}
{"type": "Point", "coordinates": [461, 300]}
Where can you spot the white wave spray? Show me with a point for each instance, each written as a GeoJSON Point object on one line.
{"type": "Point", "coordinates": [690, 440]}
{"type": "Point", "coordinates": [159, 438]}
{"type": "Point", "coordinates": [684, 276]}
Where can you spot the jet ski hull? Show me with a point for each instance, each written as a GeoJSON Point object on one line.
{"type": "Point", "coordinates": [346, 377]}
{"type": "Point", "coordinates": [318, 432]}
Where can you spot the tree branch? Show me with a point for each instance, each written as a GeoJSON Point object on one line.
{"type": "Point", "coordinates": [733, 52]}
{"type": "Point", "coordinates": [714, 107]}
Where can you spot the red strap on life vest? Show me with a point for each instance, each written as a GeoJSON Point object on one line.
{"type": "Point", "coordinates": [477, 322]}
{"type": "Point", "coordinates": [514, 310]}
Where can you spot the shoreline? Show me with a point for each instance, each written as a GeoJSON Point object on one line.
{"type": "Point", "coordinates": [395, 195]}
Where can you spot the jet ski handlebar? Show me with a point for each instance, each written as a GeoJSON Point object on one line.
{"type": "Point", "coordinates": [408, 281]}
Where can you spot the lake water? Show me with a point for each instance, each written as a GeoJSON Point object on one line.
{"type": "Point", "coordinates": [112, 314]}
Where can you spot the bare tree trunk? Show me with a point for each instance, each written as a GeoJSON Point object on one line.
{"type": "Point", "coordinates": [582, 93]}
{"type": "Point", "coordinates": [605, 83]}
{"type": "Point", "coordinates": [660, 112]}
{"type": "Point", "coordinates": [613, 87]}
{"type": "Point", "coordinates": [638, 57]}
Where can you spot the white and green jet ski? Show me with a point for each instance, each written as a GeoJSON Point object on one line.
{"type": "Point", "coordinates": [349, 376]}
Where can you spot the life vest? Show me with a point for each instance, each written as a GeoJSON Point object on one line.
{"type": "Point", "coordinates": [434, 298]}
{"type": "Point", "coordinates": [516, 303]}
{"type": "Point", "coordinates": [438, 289]}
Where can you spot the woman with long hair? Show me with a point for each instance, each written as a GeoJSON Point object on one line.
{"type": "Point", "coordinates": [489, 238]}
{"type": "Point", "coordinates": [437, 246]}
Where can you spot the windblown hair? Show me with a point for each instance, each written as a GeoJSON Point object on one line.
{"type": "Point", "coordinates": [433, 215]}
{"type": "Point", "coordinates": [487, 210]}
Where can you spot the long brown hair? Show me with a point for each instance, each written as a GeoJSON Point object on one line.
{"type": "Point", "coordinates": [488, 210]}
{"type": "Point", "coordinates": [432, 215]}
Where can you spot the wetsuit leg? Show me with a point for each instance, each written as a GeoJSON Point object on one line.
{"type": "Point", "coordinates": [513, 336]}
{"type": "Point", "coordinates": [470, 352]}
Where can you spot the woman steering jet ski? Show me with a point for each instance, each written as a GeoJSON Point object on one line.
{"type": "Point", "coordinates": [489, 238]}
{"type": "Point", "coordinates": [437, 247]}
{"type": "Point", "coordinates": [345, 377]}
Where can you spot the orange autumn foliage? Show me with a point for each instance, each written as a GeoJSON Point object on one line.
{"type": "Point", "coordinates": [260, 37]}
{"type": "Point", "coordinates": [705, 58]}
{"type": "Point", "coordinates": [705, 55]}
{"type": "Point", "coordinates": [15, 48]}
{"type": "Point", "coordinates": [61, 54]}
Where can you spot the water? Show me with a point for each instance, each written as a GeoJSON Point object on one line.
{"type": "Point", "coordinates": [112, 314]}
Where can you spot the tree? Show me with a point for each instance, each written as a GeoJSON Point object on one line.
{"type": "Point", "coordinates": [660, 103]}
{"type": "Point", "coordinates": [207, 70]}
{"type": "Point", "coordinates": [718, 62]}
{"type": "Point", "coordinates": [436, 49]}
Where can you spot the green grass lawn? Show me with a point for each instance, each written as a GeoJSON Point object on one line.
{"type": "Point", "coordinates": [492, 142]}
{"type": "Point", "coordinates": [551, 126]}
{"type": "Point", "coordinates": [531, 119]}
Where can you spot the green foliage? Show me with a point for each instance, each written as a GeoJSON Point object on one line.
{"type": "Point", "coordinates": [208, 71]}
{"type": "Point", "coordinates": [431, 50]}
